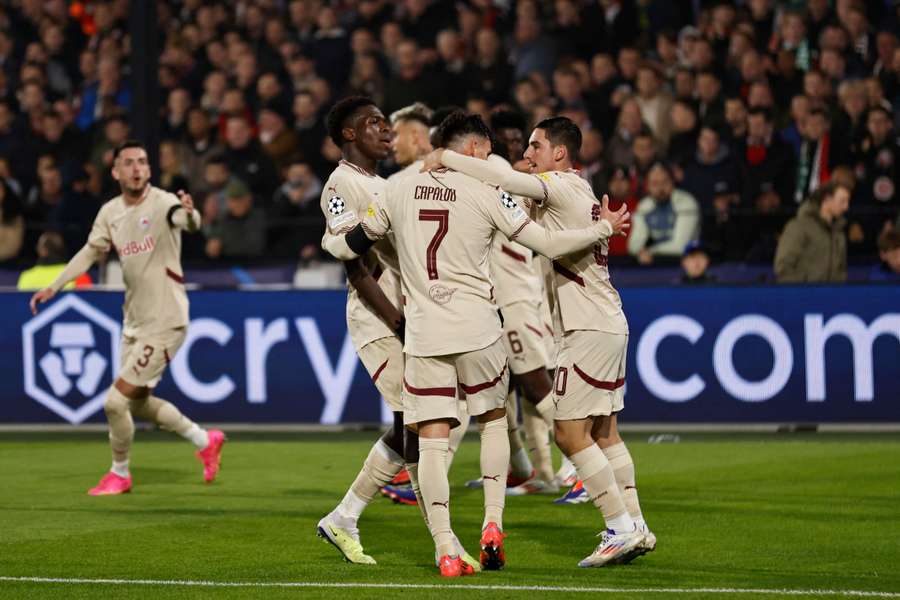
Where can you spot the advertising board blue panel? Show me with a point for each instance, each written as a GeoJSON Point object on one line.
{"type": "Point", "coordinates": [710, 355]}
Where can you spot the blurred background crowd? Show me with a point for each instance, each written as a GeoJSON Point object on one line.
{"type": "Point", "coordinates": [719, 123]}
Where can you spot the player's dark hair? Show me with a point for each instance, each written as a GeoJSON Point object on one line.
{"type": "Point", "coordinates": [340, 112]}
{"type": "Point", "coordinates": [126, 145]}
{"type": "Point", "coordinates": [460, 124]}
{"type": "Point", "coordinates": [562, 131]}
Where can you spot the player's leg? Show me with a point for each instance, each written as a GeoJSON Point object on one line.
{"type": "Point", "coordinates": [121, 435]}
{"type": "Point", "coordinates": [524, 338]}
{"type": "Point", "coordinates": [429, 401]}
{"type": "Point", "coordinates": [484, 377]}
{"type": "Point", "coordinates": [537, 438]}
{"type": "Point", "coordinates": [581, 396]}
{"type": "Point", "coordinates": [383, 359]}
{"type": "Point", "coordinates": [146, 367]}
{"type": "Point", "coordinates": [520, 467]}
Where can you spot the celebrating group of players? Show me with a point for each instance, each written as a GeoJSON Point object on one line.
{"type": "Point", "coordinates": [431, 254]}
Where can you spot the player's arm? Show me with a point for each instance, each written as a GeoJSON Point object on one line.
{"type": "Point", "coordinates": [184, 215]}
{"type": "Point", "coordinates": [80, 263]}
{"type": "Point", "coordinates": [514, 182]}
{"type": "Point", "coordinates": [350, 247]}
{"type": "Point", "coordinates": [554, 244]}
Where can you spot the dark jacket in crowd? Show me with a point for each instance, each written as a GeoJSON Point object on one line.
{"type": "Point", "coordinates": [811, 250]}
{"type": "Point", "coordinates": [705, 181]}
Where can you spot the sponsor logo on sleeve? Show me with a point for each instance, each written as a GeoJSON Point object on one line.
{"type": "Point", "coordinates": [337, 222]}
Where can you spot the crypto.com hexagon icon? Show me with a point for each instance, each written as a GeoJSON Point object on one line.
{"type": "Point", "coordinates": [68, 351]}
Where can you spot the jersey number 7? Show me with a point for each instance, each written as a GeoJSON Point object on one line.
{"type": "Point", "coordinates": [442, 217]}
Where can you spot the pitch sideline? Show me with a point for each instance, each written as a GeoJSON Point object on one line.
{"type": "Point", "coordinates": [426, 586]}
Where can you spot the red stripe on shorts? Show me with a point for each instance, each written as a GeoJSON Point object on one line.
{"type": "Point", "coordinates": [603, 385]}
{"type": "Point", "coordinates": [379, 370]}
{"type": "Point", "coordinates": [478, 387]}
{"type": "Point", "coordinates": [440, 391]}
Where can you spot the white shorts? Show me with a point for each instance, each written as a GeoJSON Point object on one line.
{"type": "Point", "coordinates": [383, 359]}
{"type": "Point", "coordinates": [430, 384]}
{"type": "Point", "coordinates": [590, 378]}
{"type": "Point", "coordinates": [524, 337]}
{"type": "Point", "coordinates": [144, 359]}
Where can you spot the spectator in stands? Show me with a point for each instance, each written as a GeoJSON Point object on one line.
{"type": "Point", "coordinates": [767, 165]}
{"type": "Point", "coordinates": [199, 146]}
{"type": "Point", "coordinates": [695, 265]}
{"type": "Point", "coordinates": [665, 220]}
{"type": "Point", "coordinates": [685, 128]}
{"type": "Point", "coordinates": [296, 211]}
{"type": "Point", "coordinates": [532, 52]}
{"type": "Point", "coordinates": [241, 231]}
{"type": "Point", "coordinates": [279, 142]}
{"type": "Point", "coordinates": [819, 155]}
{"type": "Point", "coordinates": [174, 126]}
{"type": "Point", "coordinates": [710, 104]}
{"type": "Point", "coordinates": [792, 133]}
{"type": "Point", "coordinates": [12, 223]}
{"type": "Point", "coordinates": [410, 82]}
{"type": "Point", "coordinates": [51, 260]}
{"type": "Point", "coordinates": [621, 191]}
{"type": "Point", "coordinates": [645, 155]}
{"type": "Point", "coordinates": [246, 158]}
{"type": "Point", "coordinates": [888, 269]}
{"type": "Point", "coordinates": [713, 170]}
{"type": "Point", "coordinates": [171, 168]}
{"type": "Point", "coordinates": [629, 124]}
{"type": "Point", "coordinates": [593, 166]}
{"type": "Point", "coordinates": [655, 103]}
{"type": "Point", "coordinates": [813, 246]}
{"type": "Point", "coordinates": [106, 97]}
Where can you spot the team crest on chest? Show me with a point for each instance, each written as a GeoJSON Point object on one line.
{"type": "Point", "coordinates": [144, 222]}
{"type": "Point", "coordinates": [336, 205]}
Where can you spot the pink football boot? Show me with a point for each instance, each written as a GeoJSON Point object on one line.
{"type": "Point", "coordinates": [211, 456]}
{"type": "Point", "coordinates": [110, 485]}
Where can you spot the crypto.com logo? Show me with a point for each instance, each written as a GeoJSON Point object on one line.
{"type": "Point", "coordinates": [69, 360]}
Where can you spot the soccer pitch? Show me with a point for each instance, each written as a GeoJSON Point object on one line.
{"type": "Point", "coordinates": [736, 516]}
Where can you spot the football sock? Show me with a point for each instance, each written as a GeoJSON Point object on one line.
{"type": "Point", "coordinates": [380, 467]}
{"type": "Point", "coordinates": [494, 466]}
{"type": "Point", "coordinates": [547, 409]}
{"type": "Point", "coordinates": [169, 418]}
{"type": "Point", "coordinates": [121, 425]}
{"type": "Point", "coordinates": [436, 492]}
{"type": "Point", "coordinates": [597, 476]}
{"type": "Point", "coordinates": [623, 469]}
{"type": "Point", "coordinates": [120, 468]}
{"type": "Point", "coordinates": [457, 433]}
{"type": "Point", "coordinates": [537, 437]}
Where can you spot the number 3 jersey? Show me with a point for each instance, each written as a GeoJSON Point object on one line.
{"type": "Point", "coordinates": [345, 198]}
{"type": "Point", "coordinates": [586, 298]}
{"type": "Point", "coordinates": [149, 249]}
{"type": "Point", "coordinates": [444, 224]}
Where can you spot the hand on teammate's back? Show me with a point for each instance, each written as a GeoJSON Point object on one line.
{"type": "Point", "coordinates": [432, 160]}
{"type": "Point", "coordinates": [618, 219]}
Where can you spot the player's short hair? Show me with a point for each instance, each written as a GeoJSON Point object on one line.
{"type": "Point", "coordinates": [458, 125]}
{"type": "Point", "coordinates": [562, 131]}
{"type": "Point", "coordinates": [126, 145]}
{"type": "Point", "coordinates": [340, 112]}
{"type": "Point", "coordinates": [508, 119]}
{"type": "Point", "coordinates": [416, 112]}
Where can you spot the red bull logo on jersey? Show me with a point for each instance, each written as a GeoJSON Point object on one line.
{"type": "Point", "coordinates": [135, 248]}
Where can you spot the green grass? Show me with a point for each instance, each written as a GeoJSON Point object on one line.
{"type": "Point", "coordinates": [800, 512]}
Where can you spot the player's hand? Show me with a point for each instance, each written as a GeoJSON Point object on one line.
{"type": "Point", "coordinates": [432, 160]}
{"type": "Point", "coordinates": [186, 201]}
{"type": "Point", "coordinates": [618, 219]}
{"type": "Point", "coordinates": [44, 295]}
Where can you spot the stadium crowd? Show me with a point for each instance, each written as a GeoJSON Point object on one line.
{"type": "Point", "coordinates": [718, 123]}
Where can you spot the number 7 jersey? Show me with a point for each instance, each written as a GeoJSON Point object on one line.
{"type": "Point", "coordinates": [444, 224]}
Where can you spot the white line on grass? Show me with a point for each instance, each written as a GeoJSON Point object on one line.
{"type": "Point", "coordinates": [430, 586]}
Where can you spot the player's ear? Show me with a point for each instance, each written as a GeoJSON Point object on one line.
{"type": "Point", "coordinates": [115, 171]}
{"type": "Point", "coordinates": [348, 133]}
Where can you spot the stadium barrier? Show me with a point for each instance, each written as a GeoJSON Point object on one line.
{"type": "Point", "coordinates": [696, 355]}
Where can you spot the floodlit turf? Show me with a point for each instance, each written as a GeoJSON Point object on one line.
{"type": "Point", "coordinates": [799, 511]}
